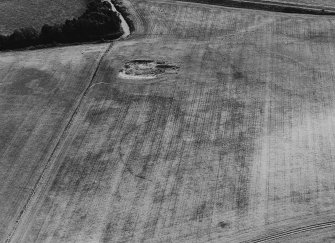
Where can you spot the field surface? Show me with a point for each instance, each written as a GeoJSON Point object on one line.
{"type": "Point", "coordinates": [15, 14]}
{"type": "Point", "coordinates": [39, 93]}
{"type": "Point", "coordinates": [232, 140]}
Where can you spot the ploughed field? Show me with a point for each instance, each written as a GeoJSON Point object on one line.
{"type": "Point", "coordinates": [207, 124]}
{"type": "Point", "coordinates": [15, 14]}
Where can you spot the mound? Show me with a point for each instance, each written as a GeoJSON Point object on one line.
{"type": "Point", "coordinates": [146, 69]}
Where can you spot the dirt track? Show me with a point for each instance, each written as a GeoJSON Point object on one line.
{"type": "Point", "coordinates": [238, 145]}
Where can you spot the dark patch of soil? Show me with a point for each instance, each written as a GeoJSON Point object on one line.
{"type": "Point", "coordinates": [31, 81]}
{"type": "Point", "coordinates": [223, 224]}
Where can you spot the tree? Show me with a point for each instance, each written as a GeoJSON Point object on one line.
{"type": "Point", "coordinates": [3, 41]}
{"type": "Point", "coordinates": [51, 34]}
{"type": "Point", "coordinates": [98, 21]}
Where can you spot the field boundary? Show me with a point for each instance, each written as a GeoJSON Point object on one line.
{"type": "Point", "coordinates": [287, 233]}
{"type": "Point", "coordinates": [270, 6]}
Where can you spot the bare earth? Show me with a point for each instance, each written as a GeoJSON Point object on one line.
{"type": "Point", "coordinates": [235, 145]}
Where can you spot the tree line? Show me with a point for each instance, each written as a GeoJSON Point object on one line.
{"type": "Point", "coordinates": [97, 22]}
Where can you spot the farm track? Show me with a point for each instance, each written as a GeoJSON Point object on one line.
{"type": "Point", "coordinates": [238, 146]}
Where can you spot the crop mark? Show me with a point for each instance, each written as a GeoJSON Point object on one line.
{"type": "Point", "coordinates": [198, 215]}
{"type": "Point", "coordinates": [32, 81]}
{"type": "Point", "coordinates": [237, 73]}
{"type": "Point", "coordinates": [156, 105]}
{"type": "Point", "coordinates": [223, 224]}
{"type": "Point", "coordinates": [306, 66]}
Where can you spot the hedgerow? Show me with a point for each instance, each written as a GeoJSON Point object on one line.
{"type": "Point", "coordinates": [96, 23]}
